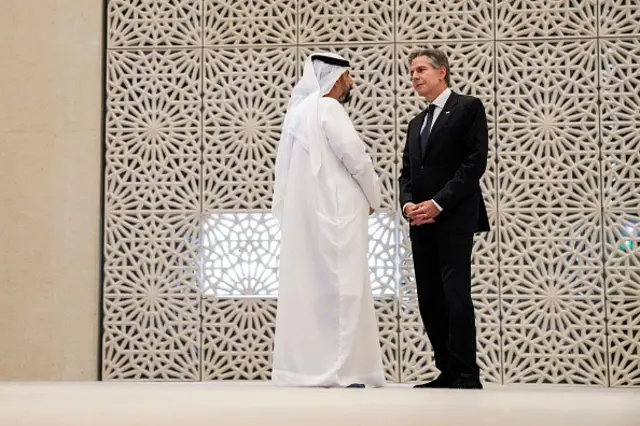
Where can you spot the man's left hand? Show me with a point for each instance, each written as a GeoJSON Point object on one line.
{"type": "Point", "coordinates": [426, 212]}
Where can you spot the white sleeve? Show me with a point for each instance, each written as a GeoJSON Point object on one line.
{"type": "Point", "coordinates": [350, 149]}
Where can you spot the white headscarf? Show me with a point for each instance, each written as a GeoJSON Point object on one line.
{"type": "Point", "coordinates": [301, 123]}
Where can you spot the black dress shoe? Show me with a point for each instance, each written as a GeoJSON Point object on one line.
{"type": "Point", "coordinates": [466, 384]}
{"type": "Point", "coordinates": [441, 382]}
{"type": "Point", "coordinates": [356, 385]}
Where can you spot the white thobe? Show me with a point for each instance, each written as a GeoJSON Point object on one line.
{"type": "Point", "coordinates": [326, 328]}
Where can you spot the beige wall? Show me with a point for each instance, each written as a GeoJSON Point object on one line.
{"type": "Point", "coordinates": [50, 111]}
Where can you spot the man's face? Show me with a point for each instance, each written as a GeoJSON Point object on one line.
{"type": "Point", "coordinates": [346, 85]}
{"type": "Point", "coordinates": [425, 78]}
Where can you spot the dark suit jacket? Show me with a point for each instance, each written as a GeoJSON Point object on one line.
{"type": "Point", "coordinates": [450, 171]}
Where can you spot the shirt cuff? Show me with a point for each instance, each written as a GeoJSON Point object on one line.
{"type": "Point", "coordinates": [405, 206]}
{"type": "Point", "coordinates": [436, 204]}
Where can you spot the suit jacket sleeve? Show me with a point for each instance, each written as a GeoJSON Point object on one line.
{"type": "Point", "coordinates": [405, 174]}
{"type": "Point", "coordinates": [474, 163]}
{"type": "Point", "coordinates": [350, 149]}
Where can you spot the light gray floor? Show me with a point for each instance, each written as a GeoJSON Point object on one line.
{"type": "Point", "coordinates": [242, 403]}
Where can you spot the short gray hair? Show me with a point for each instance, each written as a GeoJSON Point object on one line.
{"type": "Point", "coordinates": [438, 59]}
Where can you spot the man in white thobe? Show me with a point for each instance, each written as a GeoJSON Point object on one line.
{"type": "Point", "coordinates": [325, 189]}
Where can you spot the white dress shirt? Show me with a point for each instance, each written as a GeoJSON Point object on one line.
{"type": "Point", "coordinates": [439, 102]}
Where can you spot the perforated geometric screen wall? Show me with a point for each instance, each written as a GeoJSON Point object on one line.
{"type": "Point", "coordinates": [196, 94]}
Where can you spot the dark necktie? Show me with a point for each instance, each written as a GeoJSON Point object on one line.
{"type": "Point", "coordinates": [424, 136]}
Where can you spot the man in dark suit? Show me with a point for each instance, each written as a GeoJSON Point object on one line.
{"type": "Point", "coordinates": [444, 157]}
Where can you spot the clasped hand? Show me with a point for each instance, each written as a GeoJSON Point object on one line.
{"type": "Point", "coordinates": [422, 213]}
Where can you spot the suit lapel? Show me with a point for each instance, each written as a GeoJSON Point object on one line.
{"type": "Point", "coordinates": [414, 136]}
{"type": "Point", "coordinates": [442, 119]}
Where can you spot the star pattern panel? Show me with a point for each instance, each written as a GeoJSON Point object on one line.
{"type": "Point", "coordinates": [241, 255]}
{"type": "Point", "coordinates": [153, 134]}
{"type": "Point", "coordinates": [154, 23]}
{"type": "Point", "coordinates": [624, 341]}
{"type": "Point", "coordinates": [554, 339]}
{"type": "Point", "coordinates": [528, 19]}
{"type": "Point", "coordinates": [345, 21]}
{"type": "Point", "coordinates": [619, 18]}
{"type": "Point", "coordinates": [250, 22]}
{"type": "Point", "coordinates": [151, 299]}
{"type": "Point", "coordinates": [443, 20]}
{"type": "Point", "coordinates": [237, 338]}
{"type": "Point", "coordinates": [241, 122]}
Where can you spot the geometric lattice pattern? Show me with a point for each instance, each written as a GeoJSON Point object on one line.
{"type": "Point", "coordinates": [195, 97]}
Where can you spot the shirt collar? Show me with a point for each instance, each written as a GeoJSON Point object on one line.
{"type": "Point", "coordinates": [441, 100]}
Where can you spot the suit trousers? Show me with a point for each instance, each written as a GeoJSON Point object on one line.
{"type": "Point", "coordinates": [442, 263]}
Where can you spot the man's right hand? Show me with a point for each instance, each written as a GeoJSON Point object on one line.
{"type": "Point", "coordinates": [416, 218]}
